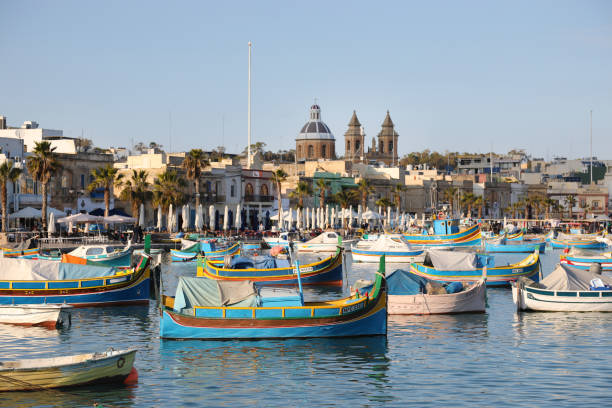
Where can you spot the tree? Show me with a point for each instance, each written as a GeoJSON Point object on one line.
{"type": "Point", "coordinates": [571, 202]}
{"type": "Point", "coordinates": [449, 195]}
{"type": "Point", "coordinates": [257, 147]}
{"type": "Point", "coordinates": [153, 145]}
{"type": "Point", "coordinates": [193, 164]}
{"type": "Point", "coordinates": [322, 187]}
{"type": "Point", "coordinates": [302, 190]}
{"type": "Point", "coordinates": [82, 144]}
{"type": "Point", "coordinates": [384, 202]}
{"type": "Point", "coordinates": [278, 177]}
{"type": "Point", "coordinates": [345, 198]}
{"type": "Point", "coordinates": [477, 202]}
{"type": "Point", "coordinates": [467, 199]}
{"type": "Point", "coordinates": [398, 189]}
{"type": "Point", "coordinates": [42, 165]}
{"type": "Point", "coordinates": [167, 189]}
{"type": "Point", "coordinates": [140, 147]}
{"type": "Point", "coordinates": [136, 191]}
{"type": "Point", "coordinates": [8, 173]}
{"type": "Point", "coordinates": [365, 189]}
{"type": "Point", "coordinates": [105, 178]}
{"type": "Point", "coordinates": [548, 204]}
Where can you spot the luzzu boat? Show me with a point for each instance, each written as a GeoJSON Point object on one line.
{"type": "Point", "coordinates": [504, 245]}
{"type": "Point", "coordinates": [209, 248]}
{"type": "Point", "coordinates": [577, 243]}
{"type": "Point", "coordinates": [394, 251]}
{"type": "Point", "coordinates": [519, 236]}
{"type": "Point", "coordinates": [30, 253]}
{"type": "Point", "coordinates": [583, 259]}
{"type": "Point", "coordinates": [328, 241]}
{"type": "Point", "coordinates": [446, 233]}
{"type": "Point", "coordinates": [236, 310]}
{"type": "Point", "coordinates": [282, 240]}
{"type": "Point", "coordinates": [449, 266]}
{"type": "Point", "coordinates": [24, 281]}
{"type": "Point", "coordinates": [102, 255]}
{"type": "Point", "coordinates": [325, 272]}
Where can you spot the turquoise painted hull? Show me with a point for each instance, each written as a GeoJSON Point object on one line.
{"type": "Point", "coordinates": [523, 246]}
{"type": "Point", "coordinates": [576, 244]}
{"type": "Point", "coordinates": [191, 256]}
{"type": "Point", "coordinates": [419, 239]}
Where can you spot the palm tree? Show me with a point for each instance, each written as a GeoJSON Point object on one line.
{"type": "Point", "coordinates": [43, 165]}
{"type": "Point", "coordinates": [449, 195]}
{"type": "Point", "coordinates": [278, 177]}
{"type": "Point", "coordinates": [193, 164]}
{"type": "Point", "coordinates": [168, 189]}
{"type": "Point", "coordinates": [323, 187]}
{"type": "Point", "coordinates": [7, 173]}
{"type": "Point", "coordinates": [365, 188]}
{"type": "Point", "coordinates": [136, 191]}
{"type": "Point", "coordinates": [302, 190]}
{"type": "Point", "coordinates": [548, 203]}
{"type": "Point", "coordinates": [477, 202]}
{"type": "Point", "coordinates": [384, 202]}
{"type": "Point", "coordinates": [397, 195]}
{"type": "Point", "coordinates": [571, 202]}
{"type": "Point", "coordinates": [468, 199]}
{"type": "Point", "coordinates": [585, 207]}
{"type": "Point", "coordinates": [345, 197]}
{"type": "Point", "coordinates": [105, 178]}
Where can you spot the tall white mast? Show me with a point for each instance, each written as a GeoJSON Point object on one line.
{"type": "Point", "coordinates": [249, 159]}
{"type": "Point", "coordinates": [591, 132]}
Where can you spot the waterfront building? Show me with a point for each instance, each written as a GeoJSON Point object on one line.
{"type": "Point", "coordinates": [31, 133]}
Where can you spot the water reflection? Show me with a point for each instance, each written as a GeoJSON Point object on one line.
{"type": "Point", "coordinates": [469, 325]}
{"type": "Point", "coordinates": [104, 395]}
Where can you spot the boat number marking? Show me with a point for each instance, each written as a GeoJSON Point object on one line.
{"type": "Point", "coordinates": [517, 270]}
{"type": "Point", "coordinates": [302, 270]}
{"type": "Point", "coordinates": [352, 308]}
{"type": "Point", "coordinates": [121, 362]}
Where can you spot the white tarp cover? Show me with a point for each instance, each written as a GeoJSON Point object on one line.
{"type": "Point", "coordinates": [328, 237]}
{"type": "Point", "coordinates": [386, 243]}
{"type": "Point", "coordinates": [27, 212]}
{"type": "Point", "coordinates": [566, 277]}
{"type": "Point", "coordinates": [192, 292]}
{"type": "Point", "coordinates": [35, 270]}
{"type": "Point", "coordinates": [444, 260]}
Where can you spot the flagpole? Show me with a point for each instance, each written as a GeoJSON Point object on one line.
{"type": "Point", "coordinates": [249, 159]}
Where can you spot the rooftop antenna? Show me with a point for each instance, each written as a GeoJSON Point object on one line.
{"type": "Point", "coordinates": [591, 132]}
{"type": "Point", "coordinates": [249, 159]}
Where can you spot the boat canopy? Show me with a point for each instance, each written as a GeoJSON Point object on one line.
{"type": "Point", "coordinates": [401, 282]}
{"type": "Point", "coordinates": [566, 277]}
{"type": "Point", "coordinates": [191, 292]}
{"type": "Point", "coordinates": [29, 270]}
{"type": "Point", "coordinates": [327, 237]}
{"type": "Point", "coordinates": [445, 260]}
{"type": "Point", "coordinates": [385, 243]}
{"type": "Point", "coordinates": [267, 262]}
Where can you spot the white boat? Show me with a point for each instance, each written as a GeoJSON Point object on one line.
{"type": "Point", "coordinates": [395, 250]}
{"type": "Point", "coordinates": [566, 289]}
{"type": "Point", "coordinates": [47, 315]}
{"type": "Point", "coordinates": [69, 371]}
{"type": "Point", "coordinates": [100, 254]}
{"type": "Point", "coordinates": [328, 241]}
{"type": "Point", "coordinates": [282, 240]}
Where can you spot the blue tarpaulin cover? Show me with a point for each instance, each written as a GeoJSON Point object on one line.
{"type": "Point", "coordinates": [402, 282]}
{"type": "Point", "coordinates": [241, 262]}
{"type": "Point", "coordinates": [76, 271]}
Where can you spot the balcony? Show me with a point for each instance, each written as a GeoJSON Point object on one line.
{"type": "Point", "coordinates": [258, 198]}
{"type": "Point", "coordinates": [211, 198]}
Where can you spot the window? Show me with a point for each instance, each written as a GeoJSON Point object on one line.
{"type": "Point", "coordinates": [233, 189]}
{"type": "Point", "coordinates": [264, 190]}
{"type": "Point", "coordinates": [583, 203]}
{"type": "Point", "coordinates": [390, 147]}
{"type": "Point", "coordinates": [82, 181]}
{"type": "Point", "coordinates": [596, 204]}
{"type": "Point", "coordinates": [348, 145]}
{"type": "Point", "coordinates": [299, 151]}
{"type": "Point", "coordinates": [323, 151]}
{"type": "Point", "coordinates": [94, 251]}
{"type": "Point", "coordinates": [310, 151]}
{"type": "Point", "coordinates": [248, 189]}
{"type": "Point", "coordinates": [357, 145]}
{"type": "Point", "coordinates": [110, 250]}
{"type": "Point", "coordinates": [381, 147]}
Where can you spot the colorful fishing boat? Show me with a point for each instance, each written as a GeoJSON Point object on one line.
{"type": "Point", "coordinates": [396, 251]}
{"type": "Point", "coordinates": [240, 311]}
{"type": "Point", "coordinates": [577, 243]}
{"type": "Point", "coordinates": [328, 241]}
{"type": "Point", "coordinates": [519, 236]}
{"type": "Point", "coordinates": [103, 255]}
{"type": "Point", "coordinates": [30, 253]}
{"type": "Point", "coordinates": [565, 289]}
{"type": "Point", "coordinates": [46, 315]}
{"type": "Point", "coordinates": [446, 233]}
{"type": "Point", "coordinates": [584, 259]}
{"type": "Point", "coordinates": [208, 248]}
{"type": "Point", "coordinates": [506, 246]}
{"type": "Point", "coordinates": [24, 281]}
{"type": "Point", "coordinates": [69, 371]}
{"type": "Point", "coordinates": [449, 266]}
{"type": "Point", "coordinates": [283, 240]}
{"type": "Point", "coordinates": [276, 271]}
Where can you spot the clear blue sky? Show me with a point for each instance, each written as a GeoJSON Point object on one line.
{"type": "Point", "coordinates": [456, 75]}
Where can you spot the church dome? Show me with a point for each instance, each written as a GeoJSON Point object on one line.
{"type": "Point", "coordinates": [315, 128]}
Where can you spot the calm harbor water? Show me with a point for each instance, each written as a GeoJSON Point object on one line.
{"type": "Point", "coordinates": [499, 358]}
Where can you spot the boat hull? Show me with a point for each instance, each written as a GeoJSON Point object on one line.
{"type": "Point", "coordinates": [524, 246]}
{"type": "Point", "coordinates": [112, 367]}
{"type": "Point", "coordinates": [472, 300]}
{"type": "Point", "coordinates": [20, 253]}
{"type": "Point", "coordinates": [585, 263]}
{"type": "Point", "coordinates": [364, 255]}
{"type": "Point", "coordinates": [305, 247]}
{"type": "Point", "coordinates": [590, 244]}
{"type": "Point", "coordinates": [543, 300]}
{"type": "Point", "coordinates": [432, 239]}
{"type": "Point", "coordinates": [191, 256]}
{"type": "Point", "coordinates": [50, 316]}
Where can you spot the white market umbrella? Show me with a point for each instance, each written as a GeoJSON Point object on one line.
{"type": "Point", "coordinates": [51, 226]}
{"type": "Point", "coordinates": [70, 227]}
{"type": "Point", "coordinates": [326, 221]}
{"type": "Point", "coordinates": [333, 215]}
{"type": "Point", "coordinates": [170, 216]}
{"type": "Point", "coordinates": [388, 216]}
{"type": "Point", "coordinates": [280, 217]}
{"type": "Point", "coordinates": [379, 210]}
{"type": "Point", "coordinates": [118, 219]}
{"type": "Point", "coordinates": [27, 212]}
{"type": "Point", "coordinates": [80, 218]}
{"type": "Point", "coordinates": [199, 219]}
{"type": "Point", "coordinates": [298, 224]}
{"type": "Point", "coordinates": [141, 216]}
{"type": "Point", "coordinates": [307, 218]}
{"type": "Point", "coordinates": [359, 211]}
{"type": "Point", "coordinates": [185, 217]}
{"type": "Point", "coordinates": [238, 217]}
{"type": "Point", "coordinates": [313, 223]}
{"type": "Point", "coordinates": [226, 219]}
{"type": "Point", "coordinates": [211, 216]}
{"type": "Point", "coordinates": [160, 216]}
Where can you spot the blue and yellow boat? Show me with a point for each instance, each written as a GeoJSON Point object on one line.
{"type": "Point", "coordinates": [507, 246]}
{"type": "Point", "coordinates": [325, 272]}
{"type": "Point", "coordinates": [30, 253]}
{"type": "Point", "coordinates": [239, 311]}
{"type": "Point", "coordinates": [446, 233]}
{"type": "Point", "coordinates": [584, 260]}
{"type": "Point", "coordinates": [577, 243]}
{"type": "Point", "coordinates": [207, 248]}
{"type": "Point", "coordinates": [450, 266]}
{"type": "Point", "coordinates": [76, 285]}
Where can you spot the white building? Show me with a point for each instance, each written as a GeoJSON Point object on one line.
{"type": "Point", "coordinates": [31, 133]}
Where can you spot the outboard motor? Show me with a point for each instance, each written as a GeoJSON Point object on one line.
{"type": "Point", "coordinates": [595, 268]}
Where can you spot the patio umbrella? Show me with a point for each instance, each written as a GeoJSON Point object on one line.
{"type": "Point", "coordinates": [359, 211]}
{"type": "Point", "coordinates": [298, 224]}
{"type": "Point", "coordinates": [211, 215]}
{"type": "Point", "coordinates": [389, 217]}
{"type": "Point", "coordinates": [379, 210]}
{"type": "Point", "coordinates": [27, 212]}
{"type": "Point", "coordinates": [307, 218]}
{"type": "Point", "coordinates": [199, 219]}
{"type": "Point", "coordinates": [159, 218]}
{"type": "Point", "coordinates": [118, 219]}
{"type": "Point", "coordinates": [170, 216]}
{"type": "Point", "coordinates": [80, 218]}
{"type": "Point", "coordinates": [333, 215]}
{"type": "Point", "coordinates": [141, 216]}
{"type": "Point", "coordinates": [313, 224]}
{"type": "Point", "coordinates": [238, 217]}
{"type": "Point", "coordinates": [51, 226]}
{"type": "Point", "coordinates": [185, 217]}
{"type": "Point", "coordinates": [326, 221]}
{"type": "Point", "coordinates": [70, 227]}
{"type": "Point", "coordinates": [290, 219]}
{"type": "Point", "coordinates": [226, 219]}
